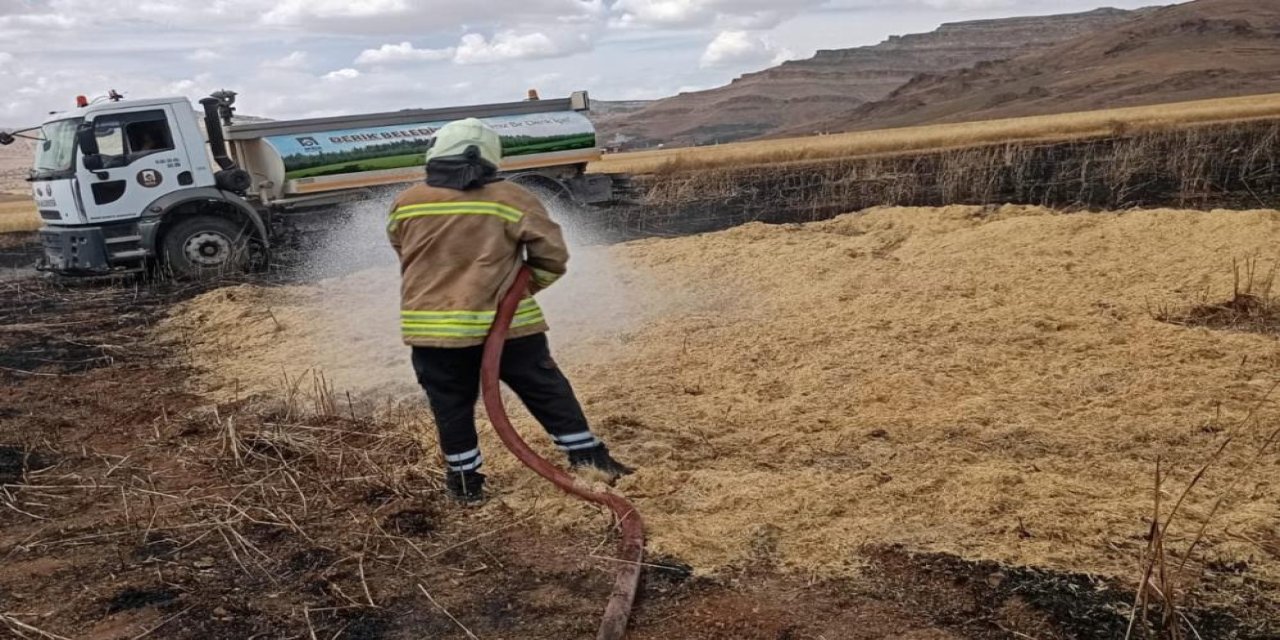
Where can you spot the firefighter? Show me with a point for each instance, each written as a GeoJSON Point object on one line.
{"type": "Point", "coordinates": [461, 238]}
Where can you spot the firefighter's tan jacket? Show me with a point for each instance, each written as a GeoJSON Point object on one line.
{"type": "Point", "coordinates": [460, 252]}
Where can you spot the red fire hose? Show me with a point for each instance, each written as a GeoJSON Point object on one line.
{"type": "Point", "coordinates": [614, 624]}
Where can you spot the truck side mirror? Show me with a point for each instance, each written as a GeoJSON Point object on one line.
{"type": "Point", "coordinates": [86, 140]}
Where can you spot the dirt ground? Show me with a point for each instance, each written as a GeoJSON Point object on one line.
{"type": "Point", "coordinates": [900, 469]}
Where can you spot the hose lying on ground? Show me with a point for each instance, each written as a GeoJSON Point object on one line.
{"type": "Point", "coordinates": [614, 624]}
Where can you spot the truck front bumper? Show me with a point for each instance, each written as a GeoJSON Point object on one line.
{"type": "Point", "coordinates": [96, 250]}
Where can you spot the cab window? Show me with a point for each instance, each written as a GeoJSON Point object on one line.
{"type": "Point", "coordinates": [110, 137]}
{"type": "Point", "coordinates": [124, 138]}
{"type": "Point", "coordinates": [148, 136]}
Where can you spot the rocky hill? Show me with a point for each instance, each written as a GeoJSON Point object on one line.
{"type": "Point", "coordinates": [616, 107]}
{"type": "Point", "coordinates": [1202, 49]}
{"type": "Point", "coordinates": [837, 81]}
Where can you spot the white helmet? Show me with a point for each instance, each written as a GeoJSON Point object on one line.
{"type": "Point", "coordinates": [455, 138]}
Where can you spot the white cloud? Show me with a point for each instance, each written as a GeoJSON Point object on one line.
{"type": "Point", "coordinates": [965, 5]}
{"type": "Point", "coordinates": [546, 78]}
{"type": "Point", "coordinates": [417, 16]}
{"type": "Point", "coordinates": [476, 48]}
{"type": "Point", "coordinates": [729, 14]}
{"type": "Point", "coordinates": [204, 55]}
{"type": "Point", "coordinates": [664, 13]}
{"type": "Point", "coordinates": [342, 74]}
{"type": "Point", "coordinates": [742, 48]}
{"type": "Point", "coordinates": [403, 52]}
{"type": "Point", "coordinates": [295, 60]}
{"type": "Point", "coordinates": [509, 45]}
{"type": "Point", "coordinates": [294, 11]}
{"type": "Point", "coordinates": [763, 19]}
{"type": "Point", "coordinates": [198, 86]}
{"type": "Point", "coordinates": [38, 21]}
{"type": "Point", "coordinates": [5, 57]}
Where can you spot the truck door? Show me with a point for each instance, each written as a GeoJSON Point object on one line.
{"type": "Point", "coordinates": [143, 158]}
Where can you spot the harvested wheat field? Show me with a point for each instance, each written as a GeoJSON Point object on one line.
{"type": "Point", "coordinates": [17, 213]}
{"type": "Point", "coordinates": [985, 381]}
{"type": "Point", "coordinates": [1058, 127]}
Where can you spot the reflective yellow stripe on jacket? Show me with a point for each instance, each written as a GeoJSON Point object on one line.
{"type": "Point", "coordinates": [543, 278]}
{"type": "Point", "coordinates": [463, 324]}
{"type": "Point", "coordinates": [507, 213]}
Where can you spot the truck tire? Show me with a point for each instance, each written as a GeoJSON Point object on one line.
{"type": "Point", "coordinates": [548, 190]}
{"type": "Point", "coordinates": [205, 247]}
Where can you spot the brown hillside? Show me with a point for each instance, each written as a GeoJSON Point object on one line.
{"type": "Point", "coordinates": [1202, 49]}
{"type": "Point", "coordinates": [833, 82]}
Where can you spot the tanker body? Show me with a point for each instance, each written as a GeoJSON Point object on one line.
{"type": "Point", "coordinates": [127, 184]}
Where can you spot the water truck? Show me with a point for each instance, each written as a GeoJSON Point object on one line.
{"type": "Point", "coordinates": [124, 185]}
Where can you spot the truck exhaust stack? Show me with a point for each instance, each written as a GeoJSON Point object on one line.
{"type": "Point", "coordinates": [217, 112]}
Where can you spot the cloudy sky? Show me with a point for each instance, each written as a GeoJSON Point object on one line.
{"type": "Point", "coordinates": [296, 58]}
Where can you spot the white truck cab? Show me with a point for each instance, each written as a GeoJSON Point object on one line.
{"type": "Point", "coordinates": [127, 184]}
{"type": "Point", "coordinates": [114, 181]}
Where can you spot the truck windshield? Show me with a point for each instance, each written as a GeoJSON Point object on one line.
{"type": "Point", "coordinates": [55, 152]}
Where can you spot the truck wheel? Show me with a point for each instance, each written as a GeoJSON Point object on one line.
{"type": "Point", "coordinates": [206, 246]}
{"type": "Point", "coordinates": [548, 190]}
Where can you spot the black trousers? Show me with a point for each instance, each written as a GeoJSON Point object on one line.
{"type": "Point", "coordinates": [451, 379]}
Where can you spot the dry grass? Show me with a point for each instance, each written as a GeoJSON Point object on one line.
{"type": "Point", "coordinates": [934, 137]}
{"type": "Point", "coordinates": [17, 214]}
{"type": "Point", "coordinates": [1253, 305]}
{"type": "Point", "coordinates": [1225, 165]}
{"type": "Point", "coordinates": [982, 381]}
{"type": "Point", "coordinates": [1164, 588]}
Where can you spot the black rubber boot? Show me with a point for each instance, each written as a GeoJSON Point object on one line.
{"type": "Point", "coordinates": [466, 487]}
{"type": "Point", "coordinates": [598, 458]}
